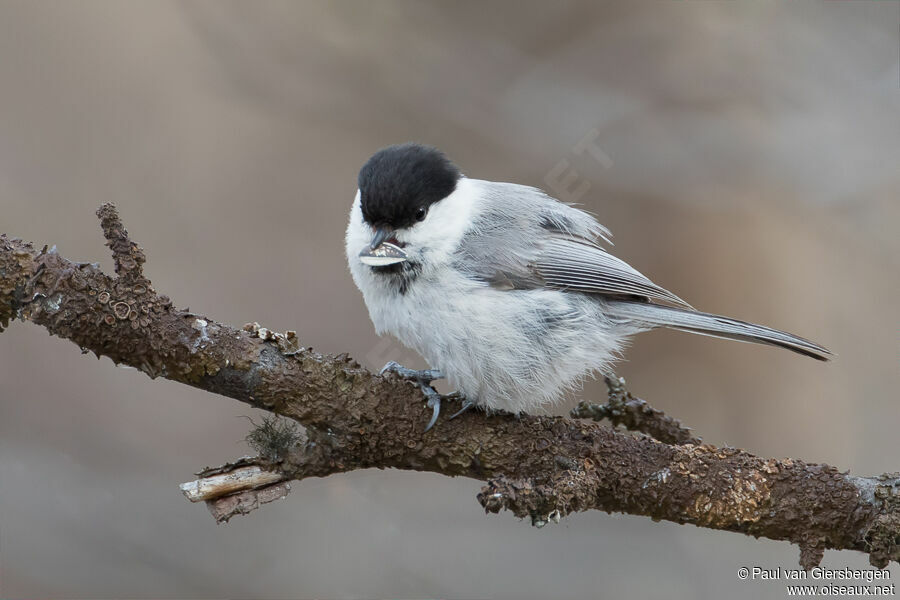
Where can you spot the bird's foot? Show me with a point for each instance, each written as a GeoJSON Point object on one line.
{"type": "Point", "coordinates": [423, 380]}
{"type": "Point", "coordinates": [425, 376]}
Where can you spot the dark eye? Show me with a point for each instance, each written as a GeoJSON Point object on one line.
{"type": "Point", "coordinates": [420, 214]}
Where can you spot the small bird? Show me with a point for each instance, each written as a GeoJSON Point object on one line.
{"type": "Point", "coordinates": [504, 290]}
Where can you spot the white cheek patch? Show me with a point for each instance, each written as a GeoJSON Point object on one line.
{"type": "Point", "coordinates": [447, 220]}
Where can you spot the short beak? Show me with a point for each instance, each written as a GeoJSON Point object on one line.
{"type": "Point", "coordinates": [381, 253]}
{"type": "Point", "coordinates": [381, 234]}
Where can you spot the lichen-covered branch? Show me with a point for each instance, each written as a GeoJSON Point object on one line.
{"type": "Point", "coordinates": [534, 466]}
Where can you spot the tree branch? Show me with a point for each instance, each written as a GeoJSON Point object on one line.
{"type": "Point", "coordinates": [636, 415]}
{"type": "Point", "coordinates": [534, 466]}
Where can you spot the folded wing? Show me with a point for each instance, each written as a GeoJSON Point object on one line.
{"type": "Point", "coordinates": [522, 239]}
{"type": "Point", "coordinates": [583, 266]}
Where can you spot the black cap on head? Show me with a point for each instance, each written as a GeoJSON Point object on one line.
{"type": "Point", "coordinates": [398, 181]}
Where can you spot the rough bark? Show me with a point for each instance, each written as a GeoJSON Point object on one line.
{"type": "Point", "coordinates": [534, 466]}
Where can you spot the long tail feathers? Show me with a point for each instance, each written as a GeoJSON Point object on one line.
{"type": "Point", "coordinates": [655, 315]}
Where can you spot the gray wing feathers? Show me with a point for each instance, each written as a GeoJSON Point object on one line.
{"type": "Point", "coordinates": [523, 239]}
{"type": "Point", "coordinates": [585, 267]}
{"type": "Point", "coordinates": [715, 326]}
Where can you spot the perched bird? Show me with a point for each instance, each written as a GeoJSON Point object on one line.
{"type": "Point", "coordinates": [504, 290]}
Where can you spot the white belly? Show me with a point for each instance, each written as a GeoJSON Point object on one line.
{"type": "Point", "coordinates": [507, 350]}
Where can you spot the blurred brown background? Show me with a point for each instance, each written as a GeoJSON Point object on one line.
{"type": "Point", "coordinates": [754, 150]}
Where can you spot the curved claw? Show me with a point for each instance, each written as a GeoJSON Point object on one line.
{"type": "Point", "coordinates": [435, 403]}
{"type": "Point", "coordinates": [466, 405]}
